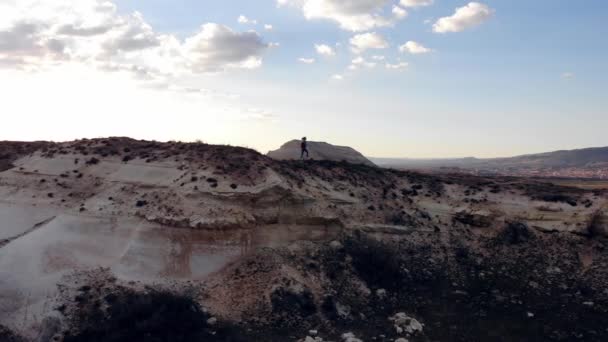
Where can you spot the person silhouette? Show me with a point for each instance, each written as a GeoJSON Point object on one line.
{"type": "Point", "coordinates": [304, 146]}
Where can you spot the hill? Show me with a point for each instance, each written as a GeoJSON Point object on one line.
{"type": "Point", "coordinates": [216, 243]}
{"type": "Point", "coordinates": [582, 163]}
{"type": "Point", "coordinates": [319, 151]}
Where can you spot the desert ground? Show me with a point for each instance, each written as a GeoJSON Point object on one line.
{"type": "Point", "coordinates": [119, 240]}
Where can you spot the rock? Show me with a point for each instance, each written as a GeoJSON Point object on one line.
{"type": "Point", "coordinates": [309, 339]}
{"type": "Point", "coordinates": [350, 337]}
{"type": "Point", "coordinates": [212, 321]}
{"type": "Point", "coordinates": [404, 323]}
{"type": "Point", "coordinates": [401, 339]}
{"type": "Point", "coordinates": [312, 332]}
{"type": "Point", "coordinates": [343, 310]}
{"type": "Point", "coordinates": [336, 245]}
{"type": "Point", "coordinates": [479, 219]}
{"type": "Point", "coordinates": [516, 233]}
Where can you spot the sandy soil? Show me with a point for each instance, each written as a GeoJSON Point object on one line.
{"type": "Point", "coordinates": [254, 236]}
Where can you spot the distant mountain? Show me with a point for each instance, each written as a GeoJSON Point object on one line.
{"type": "Point", "coordinates": [320, 151]}
{"type": "Point", "coordinates": [588, 157]}
{"type": "Point", "coordinates": [587, 163]}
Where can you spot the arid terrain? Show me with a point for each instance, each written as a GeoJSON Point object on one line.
{"type": "Point", "coordinates": [124, 240]}
{"type": "Point", "coordinates": [587, 163]}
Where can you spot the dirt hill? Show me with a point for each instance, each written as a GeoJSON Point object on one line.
{"type": "Point", "coordinates": [95, 233]}
{"type": "Point", "coordinates": [319, 151]}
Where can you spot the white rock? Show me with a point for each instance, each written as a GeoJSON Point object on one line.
{"type": "Point", "coordinates": [335, 244]}
{"type": "Point", "coordinates": [212, 321]}
{"type": "Point", "coordinates": [401, 339]}
{"type": "Point", "coordinates": [350, 337]}
{"type": "Point", "coordinates": [404, 323]}
{"type": "Point", "coordinates": [312, 332]}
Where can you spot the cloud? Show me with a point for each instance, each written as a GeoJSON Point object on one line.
{"type": "Point", "coordinates": [337, 77]}
{"type": "Point", "coordinates": [306, 60]}
{"type": "Point", "coordinates": [416, 3]}
{"type": "Point", "coordinates": [351, 15]}
{"type": "Point", "coordinates": [325, 50]}
{"type": "Point", "coordinates": [471, 15]}
{"type": "Point", "coordinates": [414, 48]}
{"type": "Point", "coordinates": [268, 27]}
{"type": "Point", "coordinates": [397, 66]}
{"type": "Point", "coordinates": [218, 47]}
{"type": "Point", "coordinates": [37, 34]}
{"type": "Point", "coordinates": [360, 62]}
{"type": "Point", "coordinates": [378, 58]}
{"type": "Point", "coordinates": [244, 20]}
{"type": "Point", "coordinates": [257, 114]}
{"type": "Point", "coordinates": [399, 12]}
{"type": "Point", "coordinates": [365, 41]}
{"type": "Point", "coordinates": [567, 75]}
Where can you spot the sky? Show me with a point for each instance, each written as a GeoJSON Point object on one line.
{"type": "Point", "coordinates": [390, 78]}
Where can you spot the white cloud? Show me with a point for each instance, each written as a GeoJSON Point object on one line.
{"type": "Point", "coordinates": [465, 17]}
{"type": "Point", "coordinates": [306, 60]}
{"type": "Point", "coordinates": [244, 20]}
{"type": "Point", "coordinates": [268, 27]}
{"type": "Point", "coordinates": [416, 3]}
{"type": "Point", "coordinates": [351, 15]}
{"type": "Point", "coordinates": [325, 50]}
{"type": "Point", "coordinates": [397, 66]}
{"type": "Point", "coordinates": [37, 34]}
{"type": "Point", "coordinates": [360, 62]}
{"type": "Point", "coordinates": [365, 41]}
{"type": "Point", "coordinates": [399, 12]}
{"type": "Point", "coordinates": [378, 58]}
{"type": "Point", "coordinates": [414, 48]}
{"type": "Point", "coordinates": [257, 114]}
{"type": "Point", "coordinates": [217, 47]}
{"type": "Point", "coordinates": [337, 77]}
{"type": "Point", "coordinates": [567, 75]}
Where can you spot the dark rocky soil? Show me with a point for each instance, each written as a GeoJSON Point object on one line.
{"type": "Point", "coordinates": [518, 285]}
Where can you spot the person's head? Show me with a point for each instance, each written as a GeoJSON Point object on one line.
{"type": "Point", "coordinates": [304, 139]}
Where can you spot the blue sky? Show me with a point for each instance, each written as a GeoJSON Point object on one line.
{"type": "Point", "coordinates": [519, 76]}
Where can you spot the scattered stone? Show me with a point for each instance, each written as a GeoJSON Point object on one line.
{"type": "Point", "coordinates": [404, 323]}
{"type": "Point", "coordinates": [212, 321]}
{"type": "Point", "coordinates": [336, 245]}
{"type": "Point", "coordinates": [381, 293]}
{"type": "Point", "coordinates": [350, 337]}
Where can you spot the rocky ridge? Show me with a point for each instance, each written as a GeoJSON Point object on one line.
{"type": "Point", "coordinates": [388, 255]}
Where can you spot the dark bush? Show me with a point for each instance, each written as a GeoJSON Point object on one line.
{"type": "Point", "coordinates": [375, 262]}
{"type": "Point", "coordinates": [150, 317]}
